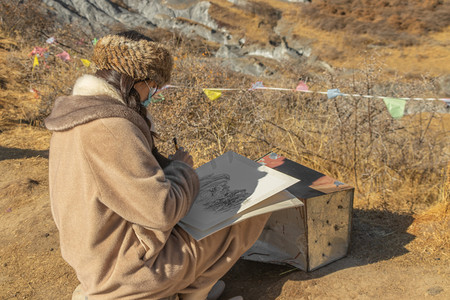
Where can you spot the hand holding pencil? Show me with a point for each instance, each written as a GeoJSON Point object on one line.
{"type": "Point", "coordinates": [181, 154]}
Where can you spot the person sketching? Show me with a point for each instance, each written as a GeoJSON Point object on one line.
{"type": "Point", "coordinates": [116, 200]}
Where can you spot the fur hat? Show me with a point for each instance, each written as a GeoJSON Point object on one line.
{"type": "Point", "coordinates": [139, 58]}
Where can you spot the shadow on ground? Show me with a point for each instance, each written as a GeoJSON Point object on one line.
{"type": "Point", "coordinates": [16, 153]}
{"type": "Point", "coordinates": [376, 236]}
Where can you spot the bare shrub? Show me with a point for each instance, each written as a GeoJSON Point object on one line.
{"type": "Point", "coordinates": [23, 19]}
{"type": "Point", "coordinates": [53, 77]}
{"type": "Point", "coordinates": [398, 164]}
{"type": "Point", "coordinates": [394, 164]}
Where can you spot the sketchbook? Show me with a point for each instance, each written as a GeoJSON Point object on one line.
{"type": "Point", "coordinates": [234, 188]}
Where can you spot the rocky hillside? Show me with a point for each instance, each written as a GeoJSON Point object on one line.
{"type": "Point", "coordinates": [211, 22]}
{"type": "Point", "coordinates": [409, 39]}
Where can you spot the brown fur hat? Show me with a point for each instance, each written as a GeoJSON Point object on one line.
{"type": "Point", "coordinates": [138, 57]}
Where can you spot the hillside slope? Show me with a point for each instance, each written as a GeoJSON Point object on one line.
{"type": "Point", "coordinates": [409, 39]}
{"type": "Point", "coordinates": [400, 242]}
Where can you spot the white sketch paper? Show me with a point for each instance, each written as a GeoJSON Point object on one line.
{"type": "Point", "coordinates": [229, 185]}
{"type": "Point", "coordinates": [282, 200]}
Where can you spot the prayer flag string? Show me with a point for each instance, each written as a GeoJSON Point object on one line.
{"type": "Point", "coordinates": [395, 106]}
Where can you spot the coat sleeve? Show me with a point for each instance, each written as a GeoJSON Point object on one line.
{"type": "Point", "coordinates": [130, 180]}
{"type": "Point", "coordinates": [161, 159]}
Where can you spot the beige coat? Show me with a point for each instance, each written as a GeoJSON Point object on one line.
{"type": "Point", "coordinates": [116, 209]}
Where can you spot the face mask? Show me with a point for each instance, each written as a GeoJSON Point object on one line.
{"type": "Point", "coordinates": [151, 93]}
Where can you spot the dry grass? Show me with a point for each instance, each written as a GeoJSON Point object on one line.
{"type": "Point", "coordinates": [396, 21]}
{"type": "Point", "coordinates": [431, 230]}
{"type": "Point", "coordinates": [23, 19]}
{"type": "Point", "coordinates": [395, 165]}
{"type": "Point", "coordinates": [417, 44]}
{"type": "Point", "coordinates": [344, 50]}
{"type": "Point", "coordinates": [252, 20]}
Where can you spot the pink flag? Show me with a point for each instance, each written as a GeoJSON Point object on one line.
{"type": "Point", "coordinates": [38, 50]}
{"type": "Point", "coordinates": [64, 56]}
{"type": "Point", "coordinates": [301, 86]}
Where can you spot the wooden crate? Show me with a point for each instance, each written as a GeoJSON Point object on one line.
{"type": "Point", "coordinates": [310, 236]}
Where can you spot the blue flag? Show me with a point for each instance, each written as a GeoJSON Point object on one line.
{"type": "Point", "coordinates": [333, 93]}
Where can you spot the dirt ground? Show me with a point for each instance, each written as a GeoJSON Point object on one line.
{"type": "Point", "coordinates": [392, 256]}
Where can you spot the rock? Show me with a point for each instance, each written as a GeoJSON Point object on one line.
{"type": "Point", "coordinates": [229, 51]}
{"type": "Point", "coordinates": [281, 52]}
{"type": "Point", "coordinates": [98, 16]}
{"type": "Point", "coordinates": [189, 18]}
{"type": "Point", "coordinates": [247, 66]}
{"type": "Point", "coordinates": [292, 42]}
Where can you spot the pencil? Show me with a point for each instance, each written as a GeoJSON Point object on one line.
{"type": "Point", "coordinates": [175, 143]}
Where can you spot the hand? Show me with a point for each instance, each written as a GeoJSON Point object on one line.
{"type": "Point", "coordinates": [183, 156]}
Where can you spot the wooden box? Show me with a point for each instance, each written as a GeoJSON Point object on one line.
{"type": "Point", "coordinates": [310, 236]}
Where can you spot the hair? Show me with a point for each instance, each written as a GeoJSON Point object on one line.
{"type": "Point", "coordinates": [124, 83]}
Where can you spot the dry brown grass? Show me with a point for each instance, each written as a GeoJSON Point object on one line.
{"type": "Point", "coordinates": [342, 49]}
{"type": "Point", "coordinates": [254, 20]}
{"type": "Point", "coordinates": [417, 44]}
{"type": "Point", "coordinates": [396, 165]}
{"type": "Point", "coordinates": [431, 230]}
{"type": "Point", "coordinates": [395, 21]}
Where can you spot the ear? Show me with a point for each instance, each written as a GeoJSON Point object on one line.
{"type": "Point", "coordinates": [142, 90]}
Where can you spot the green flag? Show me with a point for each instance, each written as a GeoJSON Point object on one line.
{"type": "Point", "coordinates": [396, 107]}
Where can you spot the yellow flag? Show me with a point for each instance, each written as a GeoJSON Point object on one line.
{"type": "Point", "coordinates": [35, 62]}
{"type": "Point", "coordinates": [85, 62]}
{"type": "Point", "coordinates": [212, 94]}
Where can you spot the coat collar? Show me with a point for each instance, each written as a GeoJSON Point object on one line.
{"type": "Point", "coordinates": [90, 102]}
{"type": "Point", "coordinates": [89, 85]}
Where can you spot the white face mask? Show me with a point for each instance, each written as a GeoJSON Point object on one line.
{"type": "Point", "coordinates": [151, 92]}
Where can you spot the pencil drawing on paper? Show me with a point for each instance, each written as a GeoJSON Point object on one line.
{"type": "Point", "coordinates": [230, 185]}
{"type": "Point", "coordinates": [215, 194]}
